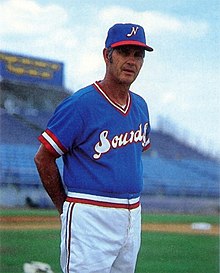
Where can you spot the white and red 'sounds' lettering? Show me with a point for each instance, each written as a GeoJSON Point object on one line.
{"type": "Point", "coordinates": [105, 144]}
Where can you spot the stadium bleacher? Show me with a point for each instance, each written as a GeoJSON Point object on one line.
{"type": "Point", "coordinates": [180, 177]}
{"type": "Point", "coordinates": [14, 131]}
{"type": "Point", "coordinates": [17, 165]}
{"type": "Point", "coordinates": [170, 168]}
{"type": "Point", "coordinates": [192, 174]}
{"type": "Point", "coordinates": [39, 119]}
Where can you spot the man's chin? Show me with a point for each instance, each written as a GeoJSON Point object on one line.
{"type": "Point", "coordinates": [127, 80]}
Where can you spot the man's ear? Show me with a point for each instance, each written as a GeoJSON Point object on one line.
{"type": "Point", "coordinates": [105, 55]}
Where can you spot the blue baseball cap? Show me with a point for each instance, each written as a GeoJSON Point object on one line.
{"type": "Point", "coordinates": [126, 34]}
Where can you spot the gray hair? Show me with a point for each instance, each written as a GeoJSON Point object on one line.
{"type": "Point", "coordinates": [109, 53]}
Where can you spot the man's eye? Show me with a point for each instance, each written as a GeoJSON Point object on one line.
{"type": "Point", "coordinates": [124, 51]}
{"type": "Point", "coordinates": [139, 54]}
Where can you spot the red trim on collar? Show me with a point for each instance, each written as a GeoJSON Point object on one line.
{"type": "Point", "coordinates": [122, 110]}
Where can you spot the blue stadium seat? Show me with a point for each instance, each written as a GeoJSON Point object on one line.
{"type": "Point", "coordinates": [180, 177]}
{"type": "Point", "coordinates": [175, 170]}
{"type": "Point", "coordinates": [17, 165]}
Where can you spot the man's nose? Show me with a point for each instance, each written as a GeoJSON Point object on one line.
{"type": "Point", "coordinates": [131, 59]}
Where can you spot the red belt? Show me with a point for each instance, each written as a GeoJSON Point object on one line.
{"type": "Point", "coordinates": [103, 204]}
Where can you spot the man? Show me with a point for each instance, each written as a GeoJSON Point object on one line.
{"type": "Point", "coordinates": [101, 132]}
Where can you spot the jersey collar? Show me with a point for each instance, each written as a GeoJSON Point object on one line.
{"type": "Point", "coordinates": [123, 110]}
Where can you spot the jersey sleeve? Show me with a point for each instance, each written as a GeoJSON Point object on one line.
{"type": "Point", "coordinates": [146, 143]}
{"type": "Point", "coordinates": [147, 129]}
{"type": "Point", "coordinates": [63, 129]}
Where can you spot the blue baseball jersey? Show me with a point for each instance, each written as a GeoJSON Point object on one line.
{"type": "Point", "coordinates": [101, 143]}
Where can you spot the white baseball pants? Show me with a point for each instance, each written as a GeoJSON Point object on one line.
{"type": "Point", "coordinates": [97, 239]}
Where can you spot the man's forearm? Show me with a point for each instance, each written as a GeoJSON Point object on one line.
{"type": "Point", "coordinates": [52, 183]}
{"type": "Point", "coordinates": [50, 177]}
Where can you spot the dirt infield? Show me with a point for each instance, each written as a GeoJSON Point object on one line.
{"type": "Point", "coordinates": [51, 222]}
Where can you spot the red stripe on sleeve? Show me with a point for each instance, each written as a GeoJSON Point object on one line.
{"type": "Point", "coordinates": [48, 146]}
{"type": "Point", "coordinates": [56, 140]}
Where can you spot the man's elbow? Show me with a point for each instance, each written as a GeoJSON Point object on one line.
{"type": "Point", "coordinates": [43, 158]}
{"type": "Point", "coordinates": [39, 156]}
{"type": "Point", "coordinates": [37, 160]}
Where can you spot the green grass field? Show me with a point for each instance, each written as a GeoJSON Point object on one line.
{"type": "Point", "coordinates": [160, 252]}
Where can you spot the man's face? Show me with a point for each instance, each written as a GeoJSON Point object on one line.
{"type": "Point", "coordinates": [126, 63]}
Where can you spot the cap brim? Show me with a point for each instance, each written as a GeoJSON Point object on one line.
{"type": "Point", "coordinates": [136, 43]}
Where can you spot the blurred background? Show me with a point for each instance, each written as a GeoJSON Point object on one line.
{"type": "Point", "coordinates": [49, 50]}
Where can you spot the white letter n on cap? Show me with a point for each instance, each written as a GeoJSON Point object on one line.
{"type": "Point", "coordinates": [133, 31]}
